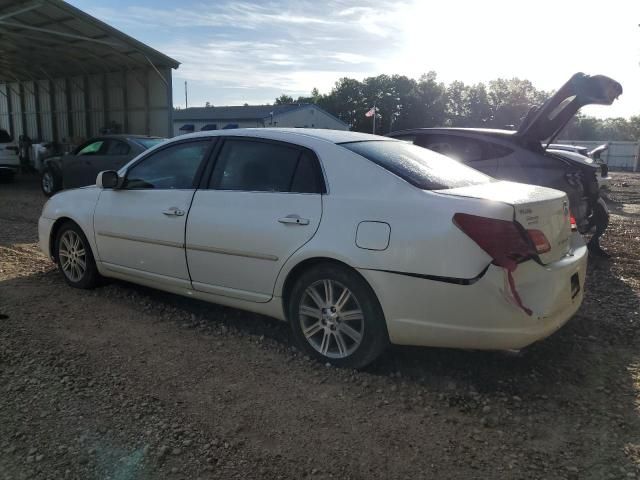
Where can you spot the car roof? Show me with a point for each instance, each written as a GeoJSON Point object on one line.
{"type": "Point", "coordinates": [124, 136]}
{"type": "Point", "coordinates": [493, 132]}
{"type": "Point", "coordinates": [332, 136]}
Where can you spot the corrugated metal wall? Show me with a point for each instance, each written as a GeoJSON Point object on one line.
{"type": "Point", "coordinates": [69, 110]}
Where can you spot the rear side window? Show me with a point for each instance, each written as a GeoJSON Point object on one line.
{"type": "Point", "coordinates": [256, 166]}
{"type": "Point", "coordinates": [418, 166]}
{"type": "Point", "coordinates": [117, 147]}
{"type": "Point", "coordinates": [148, 142]}
{"type": "Point", "coordinates": [5, 137]}
{"type": "Point", "coordinates": [463, 149]}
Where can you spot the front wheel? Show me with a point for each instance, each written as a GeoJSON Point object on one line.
{"type": "Point", "coordinates": [336, 317]}
{"type": "Point", "coordinates": [74, 257]}
{"type": "Point", "coordinates": [50, 182]}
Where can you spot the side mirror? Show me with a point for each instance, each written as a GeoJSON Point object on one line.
{"type": "Point", "coordinates": [107, 179]}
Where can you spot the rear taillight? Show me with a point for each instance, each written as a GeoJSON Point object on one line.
{"type": "Point", "coordinates": [574, 224]}
{"type": "Point", "coordinates": [539, 240]}
{"type": "Point", "coordinates": [503, 240]}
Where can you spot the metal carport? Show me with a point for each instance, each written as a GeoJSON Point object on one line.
{"type": "Point", "coordinates": [65, 76]}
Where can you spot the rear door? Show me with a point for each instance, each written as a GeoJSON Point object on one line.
{"type": "Point", "coordinates": [263, 202]}
{"type": "Point", "coordinates": [77, 168]}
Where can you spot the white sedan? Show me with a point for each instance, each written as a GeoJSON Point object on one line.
{"type": "Point", "coordinates": [355, 240]}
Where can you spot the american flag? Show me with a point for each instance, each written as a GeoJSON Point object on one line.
{"type": "Point", "coordinates": [371, 112]}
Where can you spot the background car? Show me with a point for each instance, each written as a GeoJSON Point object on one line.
{"type": "Point", "coordinates": [79, 168]}
{"type": "Point", "coordinates": [520, 155]}
{"type": "Point", "coordinates": [9, 158]}
{"type": "Point", "coordinates": [356, 240]}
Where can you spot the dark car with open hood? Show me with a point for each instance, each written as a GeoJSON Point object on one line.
{"type": "Point", "coordinates": [523, 155]}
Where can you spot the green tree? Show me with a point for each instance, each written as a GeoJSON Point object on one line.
{"type": "Point", "coordinates": [284, 100]}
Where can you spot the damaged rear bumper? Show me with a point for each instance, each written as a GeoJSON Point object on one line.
{"type": "Point", "coordinates": [483, 315]}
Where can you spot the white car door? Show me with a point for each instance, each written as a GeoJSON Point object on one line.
{"type": "Point", "coordinates": [263, 201]}
{"type": "Point", "coordinates": [139, 228]}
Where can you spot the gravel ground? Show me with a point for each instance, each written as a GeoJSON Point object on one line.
{"type": "Point", "coordinates": [125, 382]}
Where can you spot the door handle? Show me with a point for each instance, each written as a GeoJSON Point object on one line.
{"type": "Point", "coordinates": [173, 212]}
{"type": "Point", "coordinates": [294, 220]}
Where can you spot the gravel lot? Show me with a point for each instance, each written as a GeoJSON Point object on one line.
{"type": "Point", "coordinates": [125, 382]}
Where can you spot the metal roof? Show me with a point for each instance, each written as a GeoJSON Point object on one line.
{"type": "Point", "coordinates": [246, 112]}
{"type": "Point", "coordinates": [50, 38]}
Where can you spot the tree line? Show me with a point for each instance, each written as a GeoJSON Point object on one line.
{"type": "Point", "coordinates": [404, 102]}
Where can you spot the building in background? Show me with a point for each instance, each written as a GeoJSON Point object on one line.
{"type": "Point", "coordinates": [254, 116]}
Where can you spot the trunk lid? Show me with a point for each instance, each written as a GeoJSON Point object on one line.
{"type": "Point", "coordinates": [535, 208]}
{"type": "Point", "coordinates": [546, 122]}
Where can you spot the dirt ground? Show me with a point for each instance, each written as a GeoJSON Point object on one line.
{"type": "Point", "coordinates": [124, 382]}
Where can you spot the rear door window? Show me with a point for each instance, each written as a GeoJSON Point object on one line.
{"type": "Point", "coordinates": [118, 147]}
{"type": "Point", "coordinates": [257, 166]}
{"type": "Point", "coordinates": [418, 166]}
{"type": "Point", "coordinates": [463, 149]}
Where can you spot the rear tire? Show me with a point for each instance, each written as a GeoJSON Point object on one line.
{"type": "Point", "coordinates": [75, 258]}
{"type": "Point", "coordinates": [50, 182]}
{"type": "Point", "coordinates": [336, 317]}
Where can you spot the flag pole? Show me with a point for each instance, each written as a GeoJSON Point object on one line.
{"type": "Point", "coordinates": [374, 118]}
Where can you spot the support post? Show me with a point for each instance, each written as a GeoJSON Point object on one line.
{"type": "Point", "coordinates": [36, 100]}
{"type": "Point", "coordinates": [53, 110]}
{"type": "Point", "coordinates": [69, 102]}
{"type": "Point", "coordinates": [88, 124]}
{"type": "Point", "coordinates": [125, 103]}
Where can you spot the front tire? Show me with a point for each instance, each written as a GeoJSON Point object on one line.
{"type": "Point", "coordinates": [50, 182]}
{"type": "Point", "coordinates": [74, 257]}
{"type": "Point", "coordinates": [336, 317]}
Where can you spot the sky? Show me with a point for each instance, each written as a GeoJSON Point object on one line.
{"type": "Point", "coordinates": [236, 51]}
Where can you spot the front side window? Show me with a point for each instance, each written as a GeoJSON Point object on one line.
{"type": "Point", "coordinates": [256, 166]}
{"type": "Point", "coordinates": [92, 148]}
{"type": "Point", "coordinates": [174, 167]}
{"type": "Point", "coordinates": [418, 166]}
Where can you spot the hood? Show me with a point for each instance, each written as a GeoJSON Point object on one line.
{"type": "Point", "coordinates": [545, 122]}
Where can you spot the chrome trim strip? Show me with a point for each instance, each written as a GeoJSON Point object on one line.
{"type": "Point", "coordinates": [237, 253]}
{"type": "Point", "coordinates": [134, 238]}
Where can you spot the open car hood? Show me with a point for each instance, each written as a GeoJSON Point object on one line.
{"type": "Point", "coordinates": [546, 122]}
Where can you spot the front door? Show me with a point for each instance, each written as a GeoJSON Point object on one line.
{"type": "Point", "coordinates": [263, 202]}
{"type": "Point", "coordinates": [140, 227]}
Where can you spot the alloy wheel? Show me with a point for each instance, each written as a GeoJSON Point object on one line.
{"type": "Point", "coordinates": [72, 255]}
{"type": "Point", "coordinates": [331, 319]}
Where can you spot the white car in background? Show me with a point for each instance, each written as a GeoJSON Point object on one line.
{"type": "Point", "coordinates": [356, 240]}
{"type": "Point", "coordinates": [9, 158]}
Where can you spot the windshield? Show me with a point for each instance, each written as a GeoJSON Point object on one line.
{"type": "Point", "coordinates": [4, 136]}
{"type": "Point", "coordinates": [420, 167]}
{"type": "Point", "coordinates": [148, 142]}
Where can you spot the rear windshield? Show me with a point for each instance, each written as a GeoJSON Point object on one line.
{"type": "Point", "coordinates": [4, 136]}
{"type": "Point", "coordinates": [420, 167]}
{"type": "Point", "coordinates": [148, 142]}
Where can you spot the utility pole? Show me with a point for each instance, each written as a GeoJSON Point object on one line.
{"type": "Point", "coordinates": [186, 102]}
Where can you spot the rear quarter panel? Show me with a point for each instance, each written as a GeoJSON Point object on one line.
{"type": "Point", "coordinates": [423, 237]}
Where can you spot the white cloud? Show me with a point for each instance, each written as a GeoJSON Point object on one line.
{"type": "Point", "coordinates": [264, 49]}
